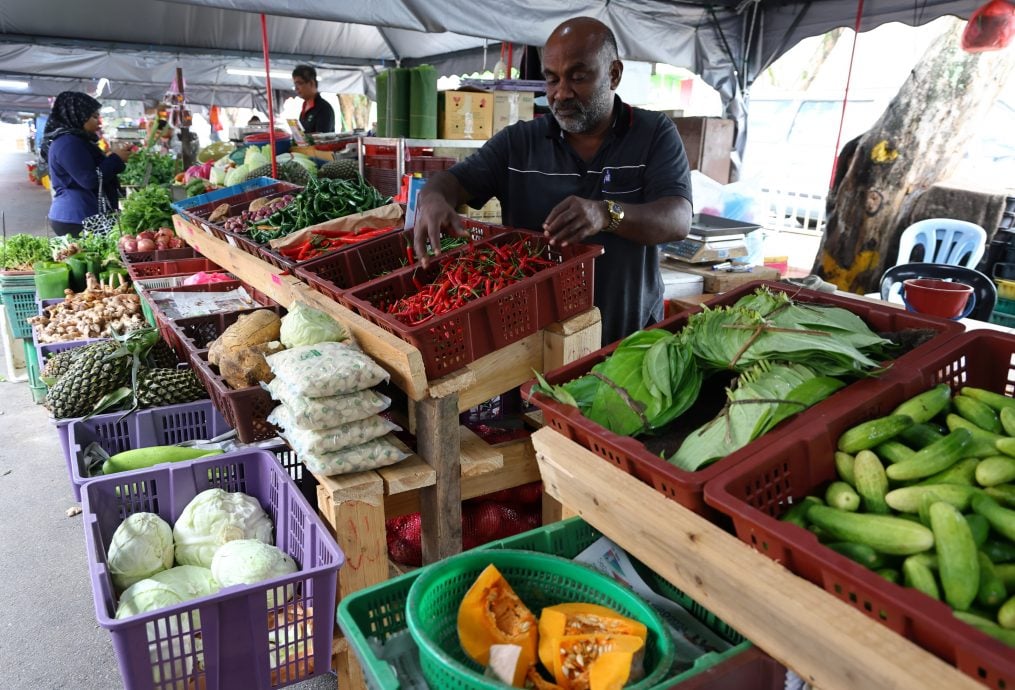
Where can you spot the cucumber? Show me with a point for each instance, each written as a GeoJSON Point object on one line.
{"type": "Point", "coordinates": [797, 513]}
{"type": "Point", "coordinates": [1006, 614]}
{"type": "Point", "coordinates": [918, 576]}
{"type": "Point", "coordinates": [153, 455]}
{"type": "Point", "coordinates": [994, 470]}
{"type": "Point", "coordinates": [994, 400]}
{"type": "Point", "coordinates": [978, 413]}
{"type": "Point", "coordinates": [861, 553]}
{"type": "Point", "coordinates": [926, 558]}
{"type": "Point", "coordinates": [927, 405]}
{"type": "Point", "coordinates": [958, 562]}
{"type": "Point", "coordinates": [991, 591]}
{"type": "Point", "coordinates": [842, 496]}
{"type": "Point", "coordinates": [882, 533]}
{"type": "Point", "coordinates": [1007, 417]}
{"type": "Point", "coordinates": [920, 435]}
{"type": "Point", "coordinates": [871, 482]}
{"type": "Point", "coordinates": [890, 574]}
{"type": "Point", "coordinates": [869, 434]}
{"type": "Point", "coordinates": [988, 628]}
{"type": "Point", "coordinates": [894, 451]}
{"type": "Point", "coordinates": [984, 442]}
{"type": "Point", "coordinates": [1006, 573]}
{"type": "Point", "coordinates": [962, 472]}
{"type": "Point", "coordinates": [823, 536]}
{"type": "Point", "coordinates": [980, 528]}
{"type": "Point", "coordinates": [844, 467]}
{"type": "Point", "coordinates": [907, 499]}
{"type": "Point", "coordinates": [935, 458]}
{"type": "Point", "coordinates": [999, 551]}
{"type": "Point", "coordinates": [1003, 494]}
{"type": "Point", "coordinates": [973, 619]}
{"type": "Point", "coordinates": [1006, 445]}
{"type": "Point", "coordinates": [1001, 519]}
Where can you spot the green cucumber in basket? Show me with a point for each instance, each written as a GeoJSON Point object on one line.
{"type": "Point", "coordinates": [962, 472]}
{"type": "Point", "coordinates": [1006, 573]}
{"type": "Point", "coordinates": [927, 405]}
{"type": "Point", "coordinates": [979, 526]}
{"type": "Point", "coordinates": [889, 535]}
{"type": "Point", "coordinates": [979, 413]}
{"type": "Point", "coordinates": [994, 470]}
{"type": "Point", "coordinates": [1007, 417]}
{"type": "Point", "coordinates": [920, 435]}
{"type": "Point", "coordinates": [1001, 519]}
{"type": "Point", "coordinates": [860, 553]}
{"type": "Point", "coordinates": [797, 513]}
{"type": "Point", "coordinates": [918, 576]}
{"type": "Point", "coordinates": [958, 561]}
{"type": "Point", "coordinates": [844, 467]}
{"type": "Point", "coordinates": [890, 574]}
{"type": "Point", "coordinates": [874, 432]}
{"type": "Point", "coordinates": [907, 498]}
{"type": "Point", "coordinates": [984, 443]}
{"type": "Point", "coordinates": [995, 400]}
{"type": "Point", "coordinates": [999, 551]}
{"type": "Point", "coordinates": [871, 482]}
{"type": "Point", "coordinates": [1006, 445]}
{"type": "Point", "coordinates": [992, 591]}
{"type": "Point", "coordinates": [140, 458]}
{"type": "Point", "coordinates": [1006, 614]}
{"type": "Point", "coordinates": [1003, 494]}
{"type": "Point", "coordinates": [842, 496]}
{"type": "Point", "coordinates": [935, 458]}
{"type": "Point", "coordinates": [894, 451]}
{"type": "Point", "coordinates": [987, 627]}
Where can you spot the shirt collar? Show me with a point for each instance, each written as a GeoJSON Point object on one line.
{"type": "Point", "coordinates": [623, 117]}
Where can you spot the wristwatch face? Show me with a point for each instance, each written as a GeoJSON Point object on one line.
{"type": "Point", "coordinates": [616, 211]}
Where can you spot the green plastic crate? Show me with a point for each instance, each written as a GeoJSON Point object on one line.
{"type": "Point", "coordinates": [1004, 306]}
{"type": "Point", "coordinates": [379, 611]}
{"type": "Point", "coordinates": [38, 388]}
{"type": "Point", "coordinates": [1003, 319]}
{"type": "Point", "coordinates": [20, 306]}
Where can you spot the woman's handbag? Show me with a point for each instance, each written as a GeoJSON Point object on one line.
{"type": "Point", "coordinates": [103, 221]}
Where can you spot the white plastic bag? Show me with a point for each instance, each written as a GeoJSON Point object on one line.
{"type": "Point", "coordinates": [322, 413]}
{"type": "Point", "coordinates": [334, 438]}
{"type": "Point", "coordinates": [371, 455]}
{"type": "Point", "coordinates": [326, 369]}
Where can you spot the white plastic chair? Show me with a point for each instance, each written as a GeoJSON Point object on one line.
{"type": "Point", "coordinates": [944, 241]}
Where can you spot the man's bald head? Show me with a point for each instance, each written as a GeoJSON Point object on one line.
{"type": "Point", "coordinates": [598, 38]}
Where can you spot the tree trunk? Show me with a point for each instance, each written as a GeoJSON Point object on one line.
{"type": "Point", "coordinates": [915, 144]}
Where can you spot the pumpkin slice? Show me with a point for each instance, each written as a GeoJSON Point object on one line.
{"type": "Point", "coordinates": [492, 614]}
{"type": "Point", "coordinates": [564, 620]}
{"type": "Point", "coordinates": [534, 680]}
{"type": "Point", "coordinates": [599, 661]}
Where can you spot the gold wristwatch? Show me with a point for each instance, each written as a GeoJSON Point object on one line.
{"type": "Point", "coordinates": [616, 213]}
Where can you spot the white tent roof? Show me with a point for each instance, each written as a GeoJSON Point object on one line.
{"type": "Point", "coordinates": [137, 44]}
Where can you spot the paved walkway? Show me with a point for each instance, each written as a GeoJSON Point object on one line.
{"type": "Point", "coordinates": [25, 204]}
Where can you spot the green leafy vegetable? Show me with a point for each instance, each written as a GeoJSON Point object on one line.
{"type": "Point", "coordinates": [21, 251]}
{"type": "Point", "coordinates": [146, 209]}
{"type": "Point", "coordinates": [164, 168]}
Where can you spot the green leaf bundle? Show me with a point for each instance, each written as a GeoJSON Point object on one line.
{"type": "Point", "coordinates": [21, 251]}
{"type": "Point", "coordinates": [146, 209]}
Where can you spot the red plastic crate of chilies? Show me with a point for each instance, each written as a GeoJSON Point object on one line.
{"type": "Point", "coordinates": [452, 340]}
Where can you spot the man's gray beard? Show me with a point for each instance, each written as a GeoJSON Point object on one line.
{"type": "Point", "coordinates": [588, 117]}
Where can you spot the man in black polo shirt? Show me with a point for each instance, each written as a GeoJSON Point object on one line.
{"type": "Point", "coordinates": [598, 170]}
{"type": "Point", "coordinates": [317, 114]}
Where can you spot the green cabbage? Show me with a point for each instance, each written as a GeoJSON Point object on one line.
{"type": "Point", "coordinates": [248, 561]}
{"type": "Point", "coordinates": [141, 546]}
{"type": "Point", "coordinates": [166, 588]}
{"type": "Point", "coordinates": [213, 518]}
{"type": "Point", "coordinates": [305, 325]}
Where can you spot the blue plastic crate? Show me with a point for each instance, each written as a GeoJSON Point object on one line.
{"type": "Point", "coordinates": [199, 207]}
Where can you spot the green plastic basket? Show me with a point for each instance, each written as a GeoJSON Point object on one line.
{"type": "Point", "coordinates": [38, 388]}
{"type": "Point", "coordinates": [1005, 306]}
{"type": "Point", "coordinates": [1003, 319]}
{"type": "Point", "coordinates": [540, 580]}
{"type": "Point", "coordinates": [378, 612]}
{"type": "Point", "coordinates": [20, 306]}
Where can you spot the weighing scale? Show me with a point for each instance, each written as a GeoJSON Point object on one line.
{"type": "Point", "coordinates": [711, 239]}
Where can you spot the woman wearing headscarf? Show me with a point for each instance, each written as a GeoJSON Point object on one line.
{"type": "Point", "coordinates": [70, 148]}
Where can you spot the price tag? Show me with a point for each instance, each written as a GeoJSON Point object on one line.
{"type": "Point", "coordinates": [231, 241]}
{"type": "Point", "coordinates": [206, 228]}
{"type": "Point", "coordinates": [275, 279]}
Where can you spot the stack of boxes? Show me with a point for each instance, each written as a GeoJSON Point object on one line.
{"type": "Point", "coordinates": [478, 114]}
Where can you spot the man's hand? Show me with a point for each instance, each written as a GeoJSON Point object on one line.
{"type": "Point", "coordinates": [574, 219]}
{"type": "Point", "coordinates": [434, 214]}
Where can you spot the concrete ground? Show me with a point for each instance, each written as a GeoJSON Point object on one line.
{"type": "Point", "coordinates": [49, 637]}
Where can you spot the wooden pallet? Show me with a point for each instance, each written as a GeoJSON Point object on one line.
{"type": "Point", "coordinates": [451, 463]}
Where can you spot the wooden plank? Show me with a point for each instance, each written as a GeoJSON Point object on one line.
{"type": "Point", "coordinates": [478, 456]}
{"type": "Point", "coordinates": [577, 323]}
{"type": "Point", "coordinates": [561, 347]}
{"type": "Point", "coordinates": [399, 358]}
{"type": "Point", "coordinates": [534, 419]}
{"type": "Point", "coordinates": [439, 443]}
{"type": "Point", "coordinates": [358, 486]}
{"type": "Point", "coordinates": [410, 474]}
{"type": "Point", "coordinates": [827, 642]}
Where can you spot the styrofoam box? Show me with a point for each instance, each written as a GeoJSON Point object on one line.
{"type": "Point", "coordinates": [680, 284]}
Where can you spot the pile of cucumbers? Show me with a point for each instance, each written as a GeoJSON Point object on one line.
{"type": "Point", "coordinates": [926, 498]}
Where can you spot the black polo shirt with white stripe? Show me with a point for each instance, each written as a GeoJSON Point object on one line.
{"type": "Point", "coordinates": [530, 168]}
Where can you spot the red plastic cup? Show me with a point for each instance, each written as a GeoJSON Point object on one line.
{"type": "Point", "coordinates": [938, 297]}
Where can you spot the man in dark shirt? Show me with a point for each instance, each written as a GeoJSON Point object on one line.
{"type": "Point", "coordinates": [598, 171]}
{"type": "Point", "coordinates": [317, 114]}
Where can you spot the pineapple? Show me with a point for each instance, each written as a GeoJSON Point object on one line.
{"type": "Point", "coordinates": [58, 364]}
{"type": "Point", "coordinates": [88, 380]}
{"type": "Point", "coordinates": [158, 387]}
{"type": "Point", "coordinates": [162, 356]}
{"type": "Point", "coordinates": [341, 169]}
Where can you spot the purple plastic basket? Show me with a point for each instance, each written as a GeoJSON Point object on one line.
{"type": "Point", "coordinates": [220, 641]}
{"type": "Point", "coordinates": [158, 426]}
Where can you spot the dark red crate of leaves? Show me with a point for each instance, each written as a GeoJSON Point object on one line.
{"type": "Point", "coordinates": [337, 272]}
{"type": "Point", "coordinates": [776, 475]}
{"type": "Point", "coordinates": [495, 314]}
{"type": "Point", "coordinates": [687, 488]}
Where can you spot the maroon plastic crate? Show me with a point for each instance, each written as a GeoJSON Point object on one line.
{"type": "Point", "coordinates": [157, 255]}
{"type": "Point", "coordinates": [451, 341]}
{"type": "Point", "coordinates": [757, 491]}
{"type": "Point", "coordinates": [751, 669]}
{"type": "Point", "coordinates": [238, 203]}
{"type": "Point", "coordinates": [687, 488]}
{"type": "Point", "coordinates": [336, 272]}
{"type": "Point", "coordinates": [275, 258]}
{"type": "Point", "coordinates": [245, 409]}
{"type": "Point", "coordinates": [166, 269]}
{"type": "Point", "coordinates": [194, 334]}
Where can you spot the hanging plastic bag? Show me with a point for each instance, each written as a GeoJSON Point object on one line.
{"type": "Point", "coordinates": [990, 27]}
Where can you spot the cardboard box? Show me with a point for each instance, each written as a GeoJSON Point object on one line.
{"type": "Point", "coordinates": [465, 114]}
{"type": "Point", "coordinates": [510, 107]}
